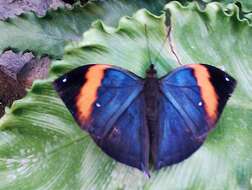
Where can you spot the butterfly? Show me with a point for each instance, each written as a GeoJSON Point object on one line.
{"type": "Point", "coordinates": [135, 119]}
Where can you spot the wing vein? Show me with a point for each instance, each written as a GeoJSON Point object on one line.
{"type": "Point", "coordinates": [121, 110]}
{"type": "Point", "coordinates": [189, 122]}
{"type": "Point", "coordinates": [184, 86]}
{"type": "Point", "coordinates": [190, 99]}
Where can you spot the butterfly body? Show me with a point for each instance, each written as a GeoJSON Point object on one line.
{"type": "Point", "coordinates": [151, 94]}
{"type": "Point", "coordinates": [135, 120]}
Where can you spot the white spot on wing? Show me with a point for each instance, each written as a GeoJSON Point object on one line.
{"type": "Point", "coordinates": [98, 105]}
{"type": "Point", "coordinates": [64, 80]}
{"type": "Point", "coordinates": [200, 104]}
{"type": "Point", "coordinates": [227, 79]}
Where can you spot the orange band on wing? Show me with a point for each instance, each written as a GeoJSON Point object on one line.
{"type": "Point", "coordinates": [208, 94]}
{"type": "Point", "coordinates": [88, 92]}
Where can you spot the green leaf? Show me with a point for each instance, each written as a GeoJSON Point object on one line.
{"type": "Point", "coordinates": [249, 16]}
{"type": "Point", "coordinates": [47, 35]}
{"type": "Point", "coordinates": [246, 4]}
{"type": "Point", "coordinates": [41, 147]}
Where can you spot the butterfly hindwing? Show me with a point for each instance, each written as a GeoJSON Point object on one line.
{"type": "Point", "coordinates": [190, 103]}
{"type": "Point", "coordinates": [106, 101]}
{"type": "Point", "coordinates": [128, 139]}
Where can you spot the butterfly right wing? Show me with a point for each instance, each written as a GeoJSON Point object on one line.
{"type": "Point", "coordinates": [191, 100]}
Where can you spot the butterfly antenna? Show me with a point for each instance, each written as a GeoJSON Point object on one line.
{"type": "Point", "coordinates": [163, 44]}
{"type": "Point", "coordinates": [148, 43]}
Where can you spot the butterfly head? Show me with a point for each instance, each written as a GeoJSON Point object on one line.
{"type": "Point", "coordinates": [151, 72]}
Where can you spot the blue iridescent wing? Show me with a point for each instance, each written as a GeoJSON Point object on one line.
{"type": "Point", "coordinates": [128, 139]}
{"type": "Point", "coordinates": [107, 102]}
{"type": "Point", "coordinates": [191, 101]}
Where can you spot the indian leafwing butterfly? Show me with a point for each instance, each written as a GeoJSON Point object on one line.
{"type": "Point", "coordinates": [132, 119]}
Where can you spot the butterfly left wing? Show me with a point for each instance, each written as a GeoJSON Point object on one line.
{"type": "Point", "coordinates": [191, 100]}
{"type": "Point", "coordinates": [106, 101]}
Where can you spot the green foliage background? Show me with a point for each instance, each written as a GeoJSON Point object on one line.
{"type": "Point", "coordinates": [41, 147]}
